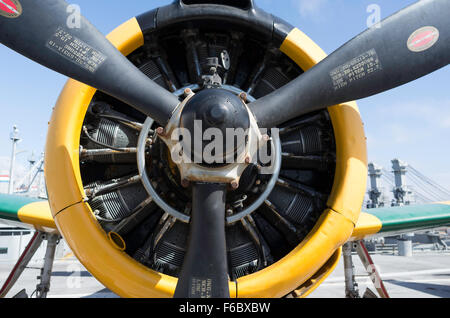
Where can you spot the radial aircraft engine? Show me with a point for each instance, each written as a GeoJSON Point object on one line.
{"type": "Point", "coordinates": [147, 224]}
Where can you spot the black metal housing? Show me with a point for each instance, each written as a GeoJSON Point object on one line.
{"type": "Point", "coordinates": [243, 15]}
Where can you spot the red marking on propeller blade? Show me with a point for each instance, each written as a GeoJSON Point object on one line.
{"type": "Point", "coordinates": [12, 4]}
{"type": "Point", "coordinates": [423, 38]}
{"type": "Point", "coordinates": [5, 8]}
{"type": "Point", "coordinates": [9, 7]}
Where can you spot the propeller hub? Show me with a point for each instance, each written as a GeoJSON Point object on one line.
{"type": "Point", "coordinates": [218, 111]}
{"type": "Point", "coordinates": [217, 115]}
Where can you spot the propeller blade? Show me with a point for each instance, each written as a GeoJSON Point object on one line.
{"type": "Point", "coordinates": [410, 44]}
{"type": "Point", "coordinates": [39, 31]}
{"type": "Point", "coordinates": [205, 269]}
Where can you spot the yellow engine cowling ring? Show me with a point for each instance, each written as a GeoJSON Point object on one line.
{"type": "Point", "coordinates": [126, 277]}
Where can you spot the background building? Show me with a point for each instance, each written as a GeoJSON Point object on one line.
{"type": "Point", "coordinates": [4, 182]}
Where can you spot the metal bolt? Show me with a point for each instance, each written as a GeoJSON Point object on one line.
{"type": "Point", "coordinates": [160, 131]}
{"type": "Point", "coordinates": [187, 92]}
{"type": "Point", "coordinates": [247, 160]}
{"type": "Point", "coordinates": [243, 96]}
{"type": "Point", "coordinates": [234, 185]}
{"type": "Point", "coordinates": [185, 183]}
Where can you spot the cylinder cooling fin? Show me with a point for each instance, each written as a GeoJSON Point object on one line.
{"type": "Point", "coordinates": [179, 55]}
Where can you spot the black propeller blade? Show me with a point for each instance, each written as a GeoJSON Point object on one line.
{"type": "Point", "coordinates": [205, 268]}
{"type": "Point", "coordinates": [410, 44]}
{"type": "Point", "coordinates": [39, 31]}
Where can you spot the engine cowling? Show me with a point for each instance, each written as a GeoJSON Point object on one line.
{"type": "Point", "coordinates": [94, 182]}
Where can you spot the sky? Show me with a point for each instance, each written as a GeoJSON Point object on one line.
{"type": "Point", "coordinates": [411, 122]}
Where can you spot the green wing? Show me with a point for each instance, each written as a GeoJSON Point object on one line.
{"type": "Point", "coordinates": [26, 212]}
{"type": "Point", "coordinates": [34, 213]}
{"type": "Point", "coordinates": [398, 220]}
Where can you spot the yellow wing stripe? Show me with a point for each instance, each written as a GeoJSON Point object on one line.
{"type": "Point", "coordinates": [367, 225]}
{"type": "Point", "coordinates": [37, 214]}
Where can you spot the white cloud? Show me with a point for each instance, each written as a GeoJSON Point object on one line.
{"type": "Point", "coordinates": [310, 7]}
{"type": "Point", "coordinates": [19, 170]}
